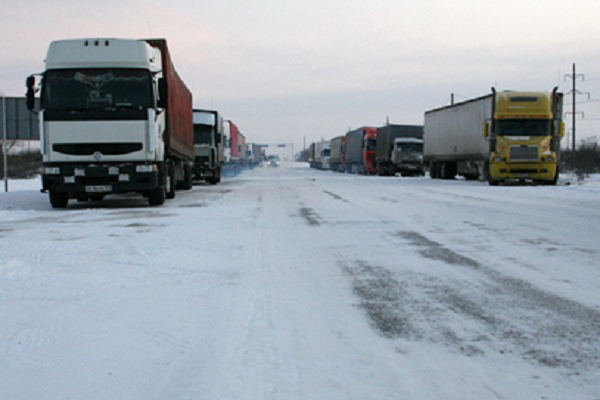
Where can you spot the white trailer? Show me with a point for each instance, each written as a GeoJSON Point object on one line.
{"type": "Point", "coordinates": [453, 138]}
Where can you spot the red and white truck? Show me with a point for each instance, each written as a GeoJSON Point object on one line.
{"type": "Point", "coordinates": [360, 151]}
{"type": "Point", "coordinates": [115, 117]}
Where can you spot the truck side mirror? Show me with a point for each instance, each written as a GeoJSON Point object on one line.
{"type": "Point", "coordinates": [163, 93]}
{"type": "Point", "coordinates": [561, 129]}
{"type": "Point", "coordinates": [30, 83]}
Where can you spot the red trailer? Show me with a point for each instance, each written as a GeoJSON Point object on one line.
{"type": "Point", "coordinates": [179, 134]}
{"type": "Point", "coordinates": [234, 137]}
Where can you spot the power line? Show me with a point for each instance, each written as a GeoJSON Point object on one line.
{"type": "Point", "coordinates": [574, 76]}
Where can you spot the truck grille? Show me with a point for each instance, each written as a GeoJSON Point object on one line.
{"type": "Point", "coordinates": [524, 153]}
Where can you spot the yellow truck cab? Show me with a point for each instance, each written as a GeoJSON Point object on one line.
{"type": "Point", "coordinates": [525, 136]}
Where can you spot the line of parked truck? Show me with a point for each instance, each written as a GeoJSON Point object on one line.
{"type": "Point", "coordinates": [387, 150]}
{"type": "Point", "coordinates": [499, 137]}
{"type": "Point", "coordinates": [116, 117]}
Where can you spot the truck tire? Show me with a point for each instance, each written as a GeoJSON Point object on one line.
{"type": "Point", "coordinates": [447, 170]}
{"type": "Point", "coordinates": [554, 181]}
{"type": "Point", "coordinates": [157, 197]}
{"type": "Point", "coordinates": [434, 170]}
{"type": "Point", "coordinates": [58, 199]}
{"type": "Point", "coordinates": [187, 177]}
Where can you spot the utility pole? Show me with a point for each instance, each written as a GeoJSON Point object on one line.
{"type": "Point", "coordinates": [574, 76]}
{"type": "Point", "coordinates": [4, 144]}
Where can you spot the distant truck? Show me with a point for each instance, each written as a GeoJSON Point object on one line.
{"type": "Point", "coordinates": [360, 151]}
{"type": "Point", "coordinates": [321, 152]}
{"type": "Point", "coordinates": [208, 146]}
{"type": "Point", "coordinates": [399, 149]}
{"type": "Point", "coordinates": [500, 137]}
{"type": "Point", "coordinates": [337, 157]}
{"type": "Point", "coordinates": [115, 117]}
{"type": "Point", "coordinates": [236, 148]}
{"type": "Point", "coordinates": [254, 154]}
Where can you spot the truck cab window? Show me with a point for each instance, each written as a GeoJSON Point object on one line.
{"type": "Point", "coordinates": [96, 89]}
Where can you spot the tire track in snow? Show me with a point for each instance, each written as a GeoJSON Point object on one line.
{"type": "Point", "coordinates": [493, 313]}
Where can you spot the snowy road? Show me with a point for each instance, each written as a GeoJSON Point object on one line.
{"type": "Point", "coordinates": [290, 283]}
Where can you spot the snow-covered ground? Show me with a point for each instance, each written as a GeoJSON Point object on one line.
{"type": "Point", "coordinates": [290, 283]}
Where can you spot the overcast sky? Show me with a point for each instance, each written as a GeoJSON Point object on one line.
{"type": "Point", "coordinates": [296, 71]}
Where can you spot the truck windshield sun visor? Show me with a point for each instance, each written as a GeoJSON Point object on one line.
{"type": "Point", "coordinates": [105, 89]}
{"type": "Point", "coordinates": [522, 127]}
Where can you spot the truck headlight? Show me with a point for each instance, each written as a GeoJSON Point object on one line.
{"type": "Point", "coordinates": [144, 168]}
{"type": "Point", "coordinates": [51, 170]}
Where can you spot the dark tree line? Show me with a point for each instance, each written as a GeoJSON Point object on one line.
{"type": "Point", "coordinates": [584, 160]}
{"type": "Point", "coordinates": [23, 165]}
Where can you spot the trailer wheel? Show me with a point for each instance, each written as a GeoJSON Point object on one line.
{"type": "Point", "coordinates": [382, 169]}
{"type": "Point", "coordinates": [58, 199]}
{"type": "Point", "coordinates": [187, 177]}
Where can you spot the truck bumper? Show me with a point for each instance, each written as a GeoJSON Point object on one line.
{"type": "Point", "coordinates": [203, 167]}
{"type": "Point", "coordinates": [100, 179]}
{"type": "Point", "coordinates": [415, 169]}
{"type": "Point", "coordinates": [533, 171]}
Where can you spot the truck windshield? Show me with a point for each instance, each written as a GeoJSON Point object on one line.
{"type": "Point", "coordinates": [523, 127]}
{"type": "Point", "coordinates": [203, 134]}
{"type": "Point", "coordinates": [410, 147]}
{"type": "Point", "coordinates": [96, 89]}
{"type": "Point", "coordinates": [371, 144]}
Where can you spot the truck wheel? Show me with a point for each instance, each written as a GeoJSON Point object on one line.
{"type": "Point", "coordinates": [554, 181]}
{"type": "Point", "coordinates": [157, 197]}
{"type": "Point", "coordinates": [58, 199]}
{"type": "Point", "coordinates": [187, 178]}
{"type": "Point", "coordinates": [433, 170]}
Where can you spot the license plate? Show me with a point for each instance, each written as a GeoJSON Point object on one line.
{"type": "Point", "coordinates": [98, 188]}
